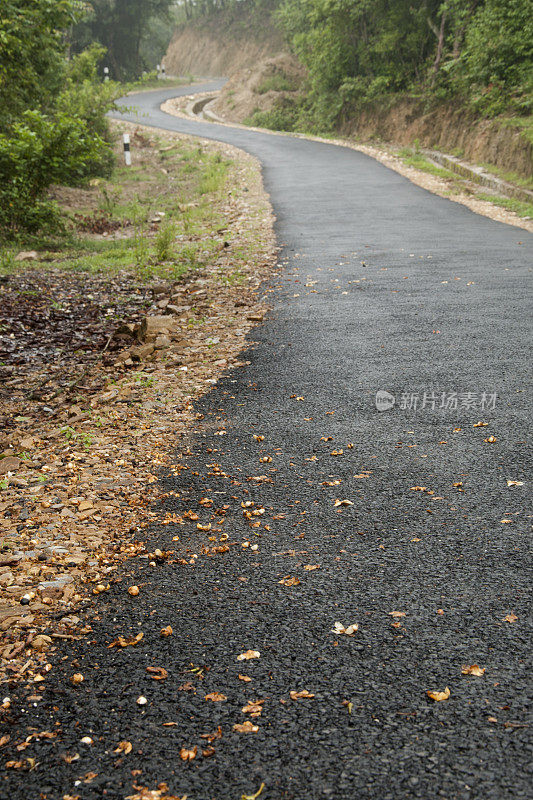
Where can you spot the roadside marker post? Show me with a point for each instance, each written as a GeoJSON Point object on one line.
{"type": "Point", "coordinates": [106, 74]}
{"type": "Point", "coordinates": [127, 151]}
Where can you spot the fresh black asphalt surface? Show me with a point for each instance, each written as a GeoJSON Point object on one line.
{"type": "Point", "coordinates": [383, 286]}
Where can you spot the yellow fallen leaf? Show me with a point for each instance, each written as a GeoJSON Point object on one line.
{"type": "Point", "coordinates": [77, 678]}
{"type": "Point", "coordinates": [253, 796]}
{"type": "Point", "coordinates": [338, 503]}
{"type": "Point", "coordinates": [438, 696]}
{"type": "Point", "coordinates": [245, 678]}
{"type": "Point", "coordinates": [473, 669]}
{"type": "Point", "coordinates": [339, 628]}
{"type": "Point", "coordinates": [249, 654]}
{"type": "Point", "coordinates": [121, 641]}
{"type": "Point", "coordinates": [133, 591]}
{"type": "Point", "coordinates": [124, 747]}
{"type": "Point", "coordinates": [396, 613]}
{"type": "Point", "coordinates": [480, 425]}
{"type": "Point", "coordinates": [253, 707]}
{"type": "Point", "coordinates": [216, 697]}
{"type": "Point", "coordinates": [246, 727]}
{"type": "Point", "coordinates": [166, 631]}
{"type": "Point", "coordinates": [188, 755]}
{"type": "Point", "coordinates": [490, 439]}
{"type": "Point", "coordinates": [303, 694]}
{"type": "Point", "coordinates": [515, 483]}
{"type": "Point", "coordinates": [157, 673]}
{"type": "Point", "coordinates": [510, 618]}
{"type": "Point", "coordinates": [505, 521]}
{"type": "Point", "coordinates": [311, 567]}
{"type": "Point", "coordinates": [289, 580]}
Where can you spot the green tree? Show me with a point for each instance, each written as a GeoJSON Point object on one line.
{"type": "Point", "coordinates": [120, 26]}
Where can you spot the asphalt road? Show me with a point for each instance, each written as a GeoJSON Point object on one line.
{"type": "Point", "coordinates": [384, 287]}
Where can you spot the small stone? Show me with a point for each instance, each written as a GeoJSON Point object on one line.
{"type": "Point", "coordinates": [27, 255]}
{"type": "Point", "coordinates": [162, 341]}
{"type": "Point", "coordinates": [9, 464]}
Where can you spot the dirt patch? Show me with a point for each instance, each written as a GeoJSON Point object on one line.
{"type": "Point", "coordinates": [260, 88]}
{"type": "Point", "coordinates": [222, 45]}
{"type": "Point", "coordinates": [91, 403]}
{"type": "Point", "coordinates": [446, 128]}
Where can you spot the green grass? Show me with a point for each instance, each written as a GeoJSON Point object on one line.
{"type": "Point", "coordinates": [519, 207]}
{"type": "Point", "coordinates": [510, 177]}
{"type": "Point", "coordinates": [413, 159]}
{"type": "Point", "coordinates": [188, 194]}
{"type": "Point", "coordinates": [275, 83]}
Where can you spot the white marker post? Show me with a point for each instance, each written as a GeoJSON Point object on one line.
{"type": "Point", "coordinates": [127, 151]}
{"type": "Point", "coordinates": [163, 71]}
{"type": "Point", "coordinates": [158, 70]}
{"type": "Point", "coordinates": [106, 74]}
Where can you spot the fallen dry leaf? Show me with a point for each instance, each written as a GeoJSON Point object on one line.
{"type": "Point", "coordinates": [77, 678]}
{"type": "Point", "coordinates": [438, 696]}
{"type": "Point", "coordinates": [157, 673]}
{"type": "Point", "coordinates": [133, 591]}
{"type": "Point", "coordinates": [396, 613]}
{"type": "Point", "coordinates": [253, 707]}
{"type": "Point", "coordinates": [311, 567]}
{"type": "Point", "coordinates": [124, 747]}
{"type": "Point", "coordinates": [216, 697]}
{"type": "Point", "coordinates": [245, 678]}
{"type": "Point", "coordinates": [166, 631]}
{"type": "Point", "coordinates": [338, 503]}
{"type": "Point", "coordinates": [349, 630]}
{"type": "Point", "coordinates": [121, 641]}
{"type": "Point", "coordinates": [246, 727]}
{"type": "Point", "coordinates": [253, 796]}
{"type": "Point", "coordinates": [188, 755]}
{"type": "Point", "coordinates": [289, 580]}
{"type": "Point", "coordinates": [302, 695]}
{"type": "Point", "coordinates": [473, 669]}
{"type": "Point", "coordinates": [515, 483]}
{"type": "Point", "coordinates": [490, 439]}
{"type": "Point", "coordinates": [510, 618]}
{"type": "Point", "coordinates": [249, 654]}
{"type": "Point", "coordinates": [211, 737]}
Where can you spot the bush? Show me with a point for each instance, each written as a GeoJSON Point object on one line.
{"type": "Point", "coordinates": [38, 151]}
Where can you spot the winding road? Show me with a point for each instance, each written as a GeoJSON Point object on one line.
{"type": "Point", "coordinates": [384, 286]}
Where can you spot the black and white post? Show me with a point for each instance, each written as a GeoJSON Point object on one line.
{"type": "Point", "coordinates": [106, 74]}
{"type": "Point", "coordinates": [127, 151]}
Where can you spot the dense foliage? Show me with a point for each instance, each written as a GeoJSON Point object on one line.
{"type": "Point", "coordinates": [127, 29]}
{"type": "Point", "coordinates": [53, 126]}
{"type": "Point", "coordinates": [359, 52]}
{"type": "Point", "coordinates": [362, 51]}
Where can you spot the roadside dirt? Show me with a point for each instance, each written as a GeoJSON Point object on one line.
{"type": "Point", "coordinates": [92, 405]}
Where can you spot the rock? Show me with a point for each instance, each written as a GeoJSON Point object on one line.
{"type": "Point", "coordinates": [160, 288]}
{"type": "Point", "coordinates": [162, 341]}
{"type": "Point", "coordinates": [58, 583]}
{"type": "Point", "coordinates": [27, 255]}
{"type": "Point", "coordinates": [142, 351]}
{"type": "Point", "coordinates": [163, 303]}
{"type": "Point", "coordinates": [154, 326]}
{"type": "Point", "coordinates": [9, 464]}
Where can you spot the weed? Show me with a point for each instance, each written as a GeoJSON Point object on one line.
{"type": "Point", "coordinates": [164, 240]}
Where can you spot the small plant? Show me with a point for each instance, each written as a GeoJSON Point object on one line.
{"type": "Point", "coordinates": [144, 381]}
{"type": "Point", "coordinates": [164, 240]}
{"type": "Point", "coordinates": [109, 200]}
